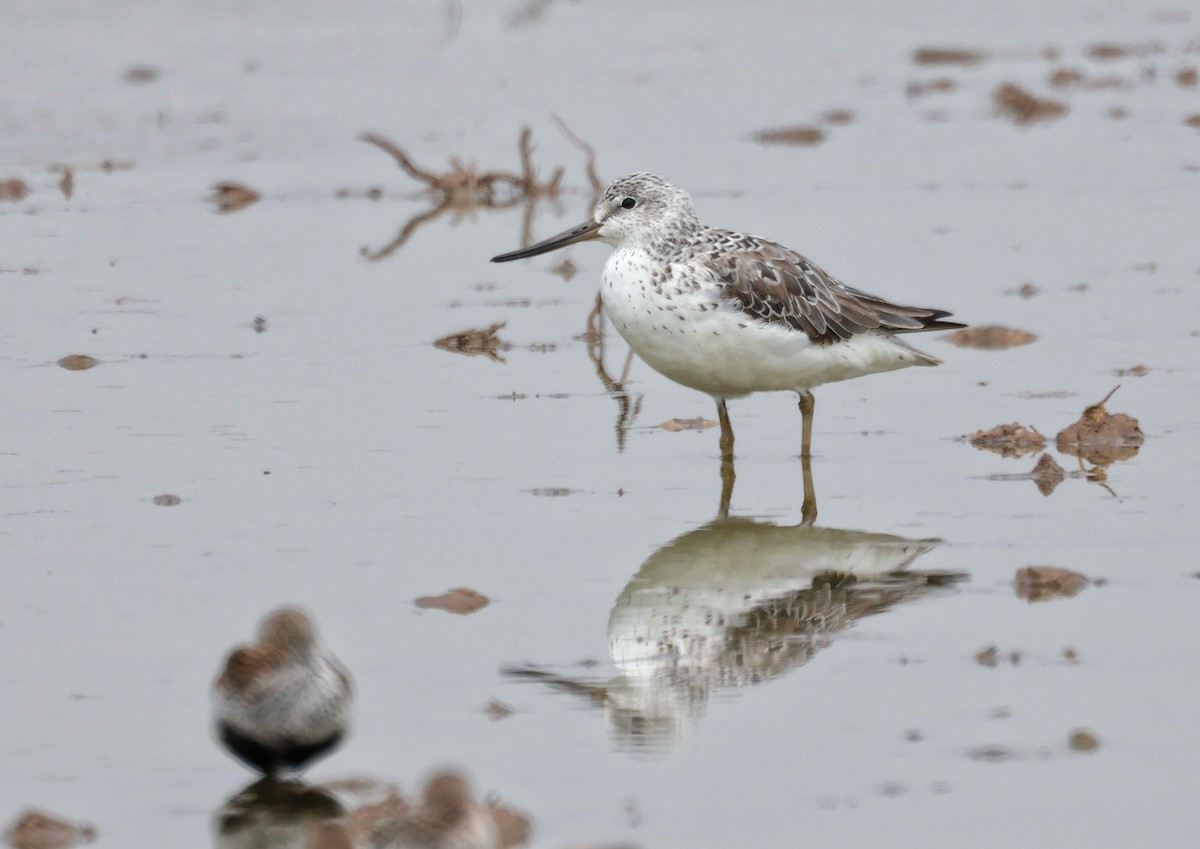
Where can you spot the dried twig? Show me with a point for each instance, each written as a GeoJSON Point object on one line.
{"type": "Point", "coordinates": [593, 177]}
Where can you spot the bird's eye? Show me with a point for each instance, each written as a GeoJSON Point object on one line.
{"type": "Point", "coordinates": [628, 203]}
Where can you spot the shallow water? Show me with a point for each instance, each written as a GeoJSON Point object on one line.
{"type": "Point", "coordinates": [339, 461]}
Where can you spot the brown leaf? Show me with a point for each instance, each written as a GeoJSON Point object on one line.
{"type": "Point", "coordinates": [460, 600]}
{"type": "Point", "coordinates": [1047, 474]}
{"type": "Point", "coordinates": [475, 342]}
{"type": "Point", "coordinates": [798, 134]}
{"type": "Point", "coordinates": [1008, 440]}
{"type": "Point", "coordinates": [1101, 437]}
{"type": "Point", "coordinates": [230, 196]}
{"type": "Point", "coordinates": [1041, 583]}
{"type": "Point", "coordinates": [167, 500]}
{"type": "Point", "coordinates": [1193, 120]}
{"type": "Point", "coordinates": [838, 116]}
{"type": "Point", "coordinates": [676, 425]}
{"type": "Point", "coordinates": [35, 829]}
{"type": "Point", "coordinates": [947, 56]}
{"type": "Point", "coordinates": [1023, 107]}
{"type": "Point", "coordinates": [990, 337]}
{"type": "Point", "coordinates": [1187, 77]}
{"type": "Point", "coordinates": [78, 362]}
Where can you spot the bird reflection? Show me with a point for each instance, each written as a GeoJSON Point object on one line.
{"type": "Point", "coordinates": [274, 814]}
{"type": "Point", "coordinates": [736, 602]}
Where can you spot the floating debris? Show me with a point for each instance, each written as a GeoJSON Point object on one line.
{"type": "Point", "coordinates": [552, 491]}
{"type": "Point", "coordinates": [260, 324]}
{"type": "Point", "coordinates": [37, 829]}
{"type": "Point", "coordinates": [947, 56]}
{"type": "Point", "coordinates": [460, 600]}
{"type": "Point", "coordinates": [1025, 108]}
{"type": "Point", "coordinates": [990, 337]}
{"type": "Point", "coordinates": [167, 500]}
{"type": "Point", "coordinates": [78, 362]}
{"type": "Point", "coordinates": [1101, 437]}
{"type": "Point", "coordinates": [1193, 120]}
{"type": "Point", "coordinates": [230, 196]}
{"type": "Point", "coordinates": [1041, 583]}
{"type": "Point", "coordinates": [1047, 474]}
{"type": "Point", "coordinates": [803, 135]}
{"type": "Point", "coordinates": [475, 342]}
{"type": "Point", "coordinates": [1083, 740]}
{"type": "Point", "coordinates": [1187, 77]}
{"type": "Point", "coordinates": [676, 425]}
{"type": "Point", "coordinates": [13, 189]}
{"type": "Point", "coordinates": [991, 657]}
{"type": "Point", "coordinates": [1008, 440]}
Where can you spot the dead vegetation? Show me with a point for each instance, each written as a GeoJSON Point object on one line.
{"type": "Point", "coordinates": [1008, 440]}
{"type": "Point", "coordinates": [676, 425]}
{"type": "Point", "coordinates": [464, 187]}
{"type": "Point", "coordinates": [475, 342]}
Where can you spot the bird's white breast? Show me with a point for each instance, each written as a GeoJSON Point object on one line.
{"type": "Point", "coordinates": [675, 317]}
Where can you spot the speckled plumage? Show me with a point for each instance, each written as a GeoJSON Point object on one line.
{"type": "Point", "coordinates": [729, 313]}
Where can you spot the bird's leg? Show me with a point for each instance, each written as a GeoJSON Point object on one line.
{"type": "Point", "coordinates": [727, 473]}
{"type": "Point", "coordinates": [726, 432]}
{"type": "Point", "coordinates": [808, 511]}
{"type": "Point", "coordinates": [807, 402]}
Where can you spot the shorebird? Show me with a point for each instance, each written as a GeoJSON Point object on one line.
{"type": "Point", "coordinates": [730, 314]}
{"type": "Point", "coordinates": [282, 701]}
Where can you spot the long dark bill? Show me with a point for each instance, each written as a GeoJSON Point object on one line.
{"type": "Point", "coordinates": [588, 230]}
